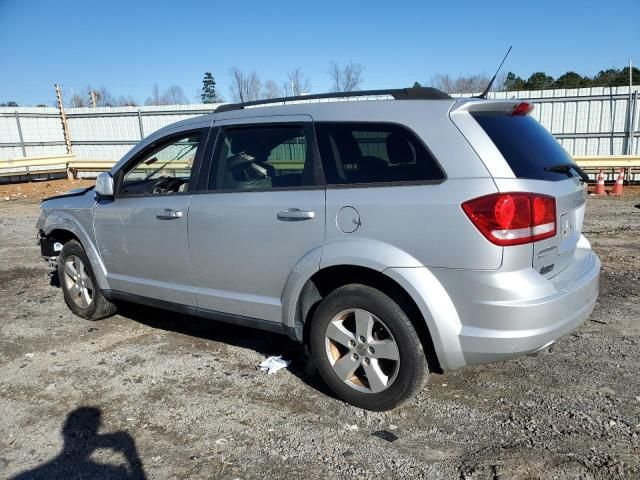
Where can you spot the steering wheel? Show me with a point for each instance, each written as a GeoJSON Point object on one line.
{"type": "Point", "coordinates": [166, 185]}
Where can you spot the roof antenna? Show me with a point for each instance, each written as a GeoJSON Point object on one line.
{"type": "Point", "coordinates": [486, 90]}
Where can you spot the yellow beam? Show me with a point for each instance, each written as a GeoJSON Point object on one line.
{"type": "Point", "coordinates": [608, 161]}
{"type": "Point", "coordinates": [36, 161]}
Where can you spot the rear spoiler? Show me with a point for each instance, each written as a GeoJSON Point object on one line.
{"type": "Point", "coordinates": [512, 107]}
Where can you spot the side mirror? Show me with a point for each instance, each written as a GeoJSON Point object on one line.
{"type": "Point", "coordinates": [104, 185]}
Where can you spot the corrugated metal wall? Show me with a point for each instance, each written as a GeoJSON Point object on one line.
{"type": "Point", "coordinates": [587, 121]}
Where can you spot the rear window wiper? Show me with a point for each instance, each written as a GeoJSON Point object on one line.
{"type": "Point", "coordinates": [568, 168]}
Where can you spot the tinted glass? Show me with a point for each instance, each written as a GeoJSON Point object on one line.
{"type": "Point", "coordinates": [525, 144]}
{"type": "Point", "coordinates": [166, 169]}
{"type": "Point", "coordinates": [262, 157]}
{"type": "Point", "coordinates": [373, 153]}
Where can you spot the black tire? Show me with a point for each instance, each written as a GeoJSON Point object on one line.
{"type": "Point", "coordinates": [99, 307]}
{"type": "Point", "coordinates": [412, 369]}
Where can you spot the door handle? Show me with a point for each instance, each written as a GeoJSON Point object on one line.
{"type": "Point", "coordinates": [295, 214]}
{"type": "Point", "coordinates": [168, 214]}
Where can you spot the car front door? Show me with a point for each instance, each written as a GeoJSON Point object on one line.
{"type": "Point", "coordinates": [263, 213]}
{"type": "Point", "coordinates": [142, 233]}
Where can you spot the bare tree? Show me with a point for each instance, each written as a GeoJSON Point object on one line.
{"type": "Point", "coordinates": [352, 77]}
{"type": "Point", "coordinates": [498, 85]}
{"type": "Point", "coordinates": [297, 83]}
{"type": "Point", "coordinates": [77, 101]}
{"type": "Point", "coordinates": [461, 84]}
{"type": "Point", "coordinates": [347, 78]}
{"type": "Point", "coordinates": [442, 81]}
{"type": "Point", "coordinates": [271, 90]}
{"type": "Point", "coordinates": [174, 95]}
{"type": "Point", "coordinates": [155, 97]}
{"type": "Point", "coordinates": [245, 87]}
{"type": "Point", "coordinates": [335, 72]}
{"type": "Point", "coordinates": [126, 101]}
{"type": "Point", "coordinates": [104, 97]}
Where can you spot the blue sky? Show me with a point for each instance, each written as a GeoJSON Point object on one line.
{"type": "Point", "coordinates": [127, 46]}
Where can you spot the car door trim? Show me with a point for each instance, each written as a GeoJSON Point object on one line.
{"type": "Point", "coordinates": [256, 323]}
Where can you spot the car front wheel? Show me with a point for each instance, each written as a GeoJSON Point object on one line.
{"type": "Point", "coordinates": [366, 348]}
{"type": "Point", "coordinates": [79, 286]}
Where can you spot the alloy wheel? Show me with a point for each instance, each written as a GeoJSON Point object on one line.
{"type": "Point", "coordinates": [78, 281]}
{"type": "Point", "coordinates": [362, 351]}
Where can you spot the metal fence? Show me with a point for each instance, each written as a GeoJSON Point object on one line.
{"type": "Point", "coordinates": [586, 121]}
{"type": "Point", "coordinates": [100, 134]}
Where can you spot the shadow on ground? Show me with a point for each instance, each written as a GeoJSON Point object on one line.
{"type": "Point", "coordinates": [263, 342]}
{"type": "Point", "coordinates": [81, 440]}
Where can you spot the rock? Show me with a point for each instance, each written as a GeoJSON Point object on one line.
{"type": "Point", "coordinates": [385, 435]}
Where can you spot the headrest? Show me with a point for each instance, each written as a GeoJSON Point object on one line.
{"type": "Point", "coordinates": [399, 149]}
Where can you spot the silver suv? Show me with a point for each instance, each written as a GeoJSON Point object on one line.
{"type": "Point", "coordinates": [405, 233]}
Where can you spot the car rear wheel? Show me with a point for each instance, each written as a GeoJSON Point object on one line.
{"type": "Point", "coordinates": [79, 286]}
{"type": "Point", "coordinates": [366, 348]}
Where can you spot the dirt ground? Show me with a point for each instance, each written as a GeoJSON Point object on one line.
{"type": "Point", "coordinates": [155, 394]}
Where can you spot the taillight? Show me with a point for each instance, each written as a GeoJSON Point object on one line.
{"type": "Point", "coordinates": [513, 218]}
{"type": "Point", "coordinates": [523, 108]}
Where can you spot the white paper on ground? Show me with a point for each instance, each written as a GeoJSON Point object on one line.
{"type": "Point", "coordinates": [272, 364]}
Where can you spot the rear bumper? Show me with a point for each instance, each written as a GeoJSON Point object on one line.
{"type": "Point", "coordinates": [506, 314]}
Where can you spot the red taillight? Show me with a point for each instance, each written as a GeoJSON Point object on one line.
{"type": "Point", "coordinates": [523, 108]}
{"type": "Point", "coordinates": [513, 218]}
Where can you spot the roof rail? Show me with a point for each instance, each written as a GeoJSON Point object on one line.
{"type": "Point", "coordinates": [416, 93]}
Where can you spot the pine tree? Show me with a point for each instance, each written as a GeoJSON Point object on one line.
{"type": "Point", "coordinates": [208, 94]}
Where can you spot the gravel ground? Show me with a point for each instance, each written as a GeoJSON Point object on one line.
{"type": "Point", "coordinates": [166, 396]}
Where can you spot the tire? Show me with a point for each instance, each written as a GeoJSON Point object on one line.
{"type": "Point", "coordinates": [379, 382]}
{"type": "Point", "coordinates": [79, 286]}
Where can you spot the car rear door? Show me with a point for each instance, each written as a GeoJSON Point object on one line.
{"type": "Point", "coordinates": [263, 213]}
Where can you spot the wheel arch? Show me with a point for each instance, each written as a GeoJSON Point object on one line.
{"type": "Point", "coordinates": [327, 279]}
{"type": "Point", "coordinates": [63, 227]}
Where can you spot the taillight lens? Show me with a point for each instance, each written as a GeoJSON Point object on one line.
{"type": "Point", "coordinates": [513, 218]}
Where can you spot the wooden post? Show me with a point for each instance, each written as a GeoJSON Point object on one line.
{"type": "Point", "coordinates": [65, 128]}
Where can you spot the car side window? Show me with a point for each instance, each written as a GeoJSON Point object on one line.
{"type": "Point", "coordinates": [262, 157]}
{"type": "Point", "coordinates": [355, 153]}
{"type": "Point", "coordinates": [165, 169]}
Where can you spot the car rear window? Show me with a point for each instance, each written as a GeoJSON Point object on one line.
{"type": "Point", "coordinates": [357, 153]}
{"type": "Point", "coordinates": [526, 145]}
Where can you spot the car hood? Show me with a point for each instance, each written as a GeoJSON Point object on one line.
{"type": "Point", "coordinates": [76, 192]}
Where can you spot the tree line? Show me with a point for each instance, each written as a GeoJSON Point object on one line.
{"type": "Point", "coordinates": [537, 81]}
{"type": "Point", "coordinates": [247, 86]}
